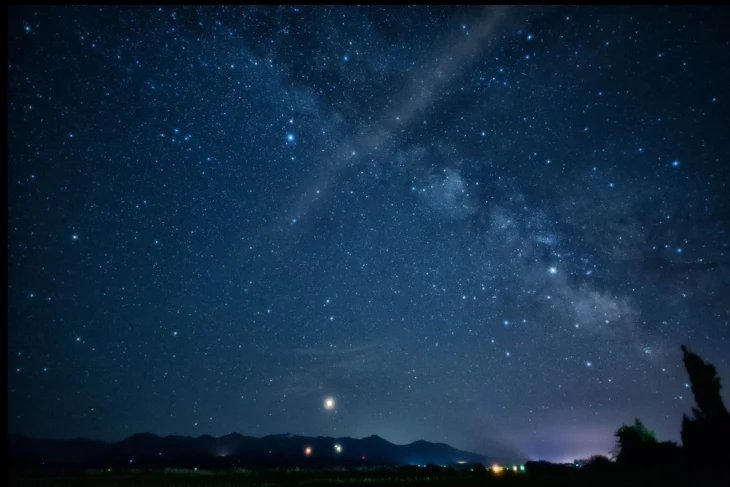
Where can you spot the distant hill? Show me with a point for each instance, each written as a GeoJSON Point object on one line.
{"type": "Point", "coordinates": [232, 450]}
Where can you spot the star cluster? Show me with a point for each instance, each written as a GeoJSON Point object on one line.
{"type": "Point", "coordinates": [487, 227]}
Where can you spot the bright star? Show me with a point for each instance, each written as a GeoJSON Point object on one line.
{"type": "Point", "coordinates": [553, 270]}
{"type": "Point", "coordinates": [329, 403]}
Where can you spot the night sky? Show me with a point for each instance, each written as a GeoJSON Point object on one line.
{"type": "Point", "coordinates": [486, 227]}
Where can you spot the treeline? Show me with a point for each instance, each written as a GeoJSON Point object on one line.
{"type": "Point", "coordinates": [705, 434]}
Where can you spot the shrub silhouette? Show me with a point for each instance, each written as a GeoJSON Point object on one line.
{"type": "Point", "coordinates": [705, 436]}
{"type": "Point", "coordinates": [598, 463]}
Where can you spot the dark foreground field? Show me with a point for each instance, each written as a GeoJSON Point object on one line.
{"type": "Point", "coordinates": [384, 477]}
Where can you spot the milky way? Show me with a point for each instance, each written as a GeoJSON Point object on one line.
{"type": "Point", "coordinates": [486, 227]}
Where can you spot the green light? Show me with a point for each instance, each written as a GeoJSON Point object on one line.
{"type": "Point", "coordinates": [522, 468]}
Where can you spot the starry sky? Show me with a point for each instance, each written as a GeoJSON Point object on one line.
{"type": "Point", "coordinates": [490, 227]}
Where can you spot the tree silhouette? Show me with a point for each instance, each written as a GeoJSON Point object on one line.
{"type": "Point", "coordinates": [632, 443]}
{"type": "Point", "coordinates": [638, 447]}
{"type": "Point", "coordinates": [706, 435]}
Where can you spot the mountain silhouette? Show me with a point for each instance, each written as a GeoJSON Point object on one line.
{"type": "Point", "coordinates": [147, 449]}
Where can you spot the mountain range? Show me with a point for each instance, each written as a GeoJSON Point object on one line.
{"type": "Point", "coordinates": [232, 450]}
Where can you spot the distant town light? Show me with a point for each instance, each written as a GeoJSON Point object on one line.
{"type": "Point", "coordinates": [338, 448]}
{"type": "Point", "coordinates": [308, 451]}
